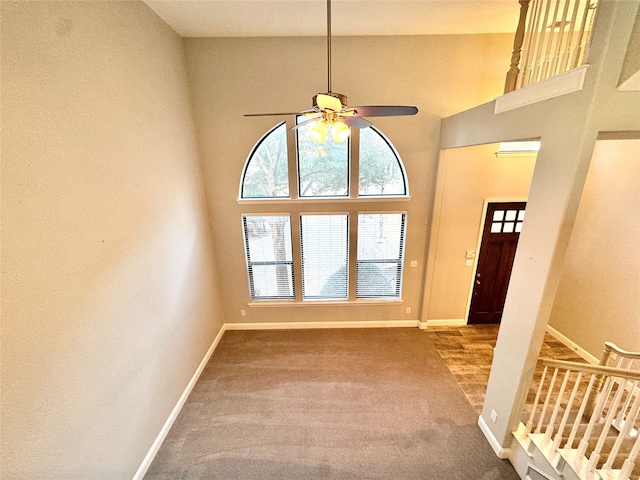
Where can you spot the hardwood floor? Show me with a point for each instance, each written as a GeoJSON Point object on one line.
{"type": "Point", "coordinates": [468, 352]}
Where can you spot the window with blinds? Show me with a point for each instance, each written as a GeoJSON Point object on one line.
{"type": "Point", "coordinates": [380, 255]}
{"type": "Point", "coordinates": [324, 242]}
{"type": "Point", "coordinates": [338, 202]}
{"type": "Point", "coordinates": [269, 259]}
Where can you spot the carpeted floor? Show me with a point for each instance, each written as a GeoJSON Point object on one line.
{"type": "Point", "coordinates": [327, 404]}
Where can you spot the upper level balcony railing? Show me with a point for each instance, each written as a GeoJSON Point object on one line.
{"type": "Point", "coordinates": [552, 37]}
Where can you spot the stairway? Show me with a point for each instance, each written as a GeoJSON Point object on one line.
{"type": "Point", "coordinates": [583, 422]}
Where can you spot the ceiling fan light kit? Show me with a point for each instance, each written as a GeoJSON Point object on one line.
{"type": "Point", "coordinates": [330, 109]}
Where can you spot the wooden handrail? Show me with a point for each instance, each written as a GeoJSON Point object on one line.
{"type": "Point", "coordinates": [612, 347]}
{"type": "Point", "coordinates": [588, 368]}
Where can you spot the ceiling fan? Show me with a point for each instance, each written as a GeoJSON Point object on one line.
{"type": "Point", "coordinates": [330, 110]}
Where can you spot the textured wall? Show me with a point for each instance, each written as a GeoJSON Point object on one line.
{"type": "Point", "coordinates": [468, 176]}
{"type": "Point", "coordinates": [598, 297]}
{"type": "Point", "coordinates": [108, 285]}
{"type": "Point", "coordinates": [440, 74]}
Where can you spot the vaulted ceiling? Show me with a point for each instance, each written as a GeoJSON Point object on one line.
{"type": "Point", "coordinates": [269, 18]}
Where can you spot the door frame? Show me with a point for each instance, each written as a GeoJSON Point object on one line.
{"type": "Point", "coordinates": [474, 268]}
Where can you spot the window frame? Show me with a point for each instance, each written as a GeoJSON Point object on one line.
{"type": "Point", "coordinates": [352, 205]}
{"type": "Point", "coordinates": [398, 261]}
{"type": "Point", "coordinates": [250, 263]}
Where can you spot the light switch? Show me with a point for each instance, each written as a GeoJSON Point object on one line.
{"type": "Point", "coordinates": [470, 254]}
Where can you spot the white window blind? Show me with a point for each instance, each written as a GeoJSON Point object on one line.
{"type": "Point", "coordinates": [380, 255]}
{"type": "Point", "coordinates": [269, 258]}
{"type": "Point", "coordinates": [325, 251]}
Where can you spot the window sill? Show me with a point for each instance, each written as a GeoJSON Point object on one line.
{"type": "Point", "coordinates": [327, 303]}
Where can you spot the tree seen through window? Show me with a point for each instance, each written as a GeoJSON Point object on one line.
{"type": "Point", "coordinates": [322, 170]}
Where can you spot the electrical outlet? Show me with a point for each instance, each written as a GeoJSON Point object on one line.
{"type": "Point", "coordinates": [494, 415]}
{"type": "Point", "coordinates": [413, 263]}
{"type": "Point", "coordinates": [243, 313]}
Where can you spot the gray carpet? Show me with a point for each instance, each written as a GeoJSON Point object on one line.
{"type": "Point", "coordinates": [327, 404]}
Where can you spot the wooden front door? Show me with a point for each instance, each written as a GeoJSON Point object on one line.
{"type": "Point", "coordinates": [502, 227]}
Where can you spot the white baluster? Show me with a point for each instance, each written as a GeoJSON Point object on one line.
{"type": "Point", "coordinates": [583, 25]}
{"type": "Point", "coordinates": [612, 411]}
{"type": "Point", "coordinates": [546, 401]}
{"type": "Point", "coordinates": [619, 420]}
{"type": "Point", "coordinates": [545, 73]}
{"type": "Point", "coordinates": [565, 418]}
{"type": "Point", "coordinates": [583, 406]}
{"type": "Point", "coordinates": [567, 51]}
{"type": "Point", "coordinates": [541, 33]}
{"type": "Point", "coordinates": [595, 417]}
{"type": "Point", "coordinates": [630, 463]}
{"type": "Point", "coordinates": [626, 429]}
{"type": "Point", "coordinates": [549, 430]}
{"type": "Point", "coordinates": [559, 42]}
{"type": "Point", "coordinates": [529, 426]}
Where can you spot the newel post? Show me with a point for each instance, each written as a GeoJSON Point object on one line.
{"type": "Point", "coordinates": [512, 74]}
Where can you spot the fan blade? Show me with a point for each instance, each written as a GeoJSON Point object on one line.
{"type": "Point", "coordinates": [355, 122]}
{"type": "Point", "coordinates": [306, 122]}
{"type": "Point", "coordinates": [384, 110]}
{"type": "Point", "coordinates": [304, 112]}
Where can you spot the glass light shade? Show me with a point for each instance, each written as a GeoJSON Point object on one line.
{"type": "Point", "coordinates": [319, 131]}
{"type": "Point", "coordinates": [340, 132]}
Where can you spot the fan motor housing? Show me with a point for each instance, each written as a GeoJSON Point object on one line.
{"type": "Point", "coordinates": [339, 96]}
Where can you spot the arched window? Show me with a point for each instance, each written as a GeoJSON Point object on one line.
{"type": "Point", "coordinates": [362, 178]}
{"type": "Point", "coordinates": [265, 173]}
{"type": "Point", "coordinates": [381, 171]}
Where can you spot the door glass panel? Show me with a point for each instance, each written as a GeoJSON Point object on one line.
{"type": "Point", "coordinates": [496, 227]}
{"type": "Point", "coordinates": [519, 227]}
{"type": "Point", "coordinates": [498, 215]}
{"type": "Point", "coordinates": [511, 215]}
{"type": "Point", "coordinates": [508, 227]}
{"type": "Point", "coordinates": [521, 215]}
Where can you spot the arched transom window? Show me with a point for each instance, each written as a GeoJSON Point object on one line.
{"type": "Point", "coordinates": [327, 221]}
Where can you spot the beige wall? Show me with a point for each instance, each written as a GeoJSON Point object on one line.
{"type": "Point", "coordinates": [568, 126]}
{"type": "Point", "coordinates": [598, 295]}
{"type": "Point", "coordinates": [230, 77]}
{"type": "Point", "coordinates": [108, 287]}
{"type": "Point", "coordinates": [467, 177]}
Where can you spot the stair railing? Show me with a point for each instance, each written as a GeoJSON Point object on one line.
{"type": "Point", "coordinates": [607, 439]}
{"type": "Point", "coordinates": [551, 38]}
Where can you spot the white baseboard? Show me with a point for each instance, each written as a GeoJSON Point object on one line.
{"type": "Point", "coordinates": [153, 451]}
{"type": "Point", "coordinates": [151, 454]}
{"type": "Point", "coordinates": [446, 322]}
{"type": "Point", "coordinates": [498, 449]}
{"type": "Point", "coordinates": [572, 345]}
{"type": "Point", "coordinates": [313, 325]}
